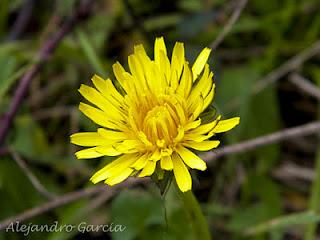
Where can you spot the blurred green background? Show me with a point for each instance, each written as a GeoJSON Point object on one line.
{"type": "Point", "coordinates": [239, 194]}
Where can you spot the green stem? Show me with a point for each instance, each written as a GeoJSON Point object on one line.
{"type": "Point", "coordinates": [198, 220]}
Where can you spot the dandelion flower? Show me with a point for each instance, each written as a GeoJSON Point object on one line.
{"type": "Point", "coordinates": [152, 120]}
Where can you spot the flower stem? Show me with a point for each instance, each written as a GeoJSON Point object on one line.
{"type": "Point", "coordinates": [198, 220]}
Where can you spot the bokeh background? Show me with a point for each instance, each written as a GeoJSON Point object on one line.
{"type": "Point", "coordinates": [244, 196]}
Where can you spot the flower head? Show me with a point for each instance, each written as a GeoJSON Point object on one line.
{"type": "Point", "coordinates": [152, 121]}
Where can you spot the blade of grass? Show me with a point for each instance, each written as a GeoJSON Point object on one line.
{"type": "Point", "coordinates": [314, 200]}
{"type": "Point", "coordinates": [284, 222]}
{"type": "Point", "coordinates": [90, 52]}
{"type": "Point", "coordinates": [9, 81]}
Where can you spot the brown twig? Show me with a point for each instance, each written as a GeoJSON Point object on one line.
{"type": "Point", "coordinates": [305, 85]}
{"type": "Point", "coordinates": [227, 28]}
{"type": "Point", "coordinates": [22, 20]}
{"type": "Point", "coordinates": [65, 199]}
{"type": "Point", "coordinates": [291, 170]}
{"type": "Point", "coordinates": [52, 112]}
{"type": "Point", "coordinates": [33, 179]}
{"type": "Point", "coordinates": [44, 53]}
{"type": "Point", "coordinates": [287, 67]}
{"type": "Point", "coordinates": [98, 201]}
{"type": "Point", "coordinates": [303, 130]}
{"type": "Point", "coordinates": [291, 65]}
{"type": "Point", "coordinates": [45, 93]}
{"type": "Point", "coordinates": [56, 202]}
{"type": "Point", "coordinates": [241, 53]}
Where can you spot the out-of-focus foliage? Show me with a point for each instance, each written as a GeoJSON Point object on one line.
{"type": "Point", "coordinates": [240, 194]}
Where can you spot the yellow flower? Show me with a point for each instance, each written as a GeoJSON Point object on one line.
{"type": "Point", "coordinates": [151, 121]}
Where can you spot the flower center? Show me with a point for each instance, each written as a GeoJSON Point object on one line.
{"type": "Point", "coordinates": [158, 120]}
{"type": "Point", "coordinates": [159, 125]}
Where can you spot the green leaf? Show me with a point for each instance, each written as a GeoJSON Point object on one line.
{"type": "Point", "coordinates": [70, 215]}
{"type": "Point", "coordinates": [15, 186]}
{"type": "Point", "coordinates": [137, 211]}
{"type": "Point", "coordinates": [233, 87]}
{"type": "Point", "coordinates": [30, 139]}
{"type": "Point", "coordinates": [196, 217]}
{"type": "Point", "coordinates": [7, 76]}
{"type": "Point", "coordinates": [247, 216]}
{"type": "Point", "coordinates": [269, 194]}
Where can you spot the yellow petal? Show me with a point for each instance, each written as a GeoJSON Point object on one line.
{"type": "Point", "coordinates": [119, 71]}
{"type": "Point", "coordinates": [143, 138]}
{"type": "Point", "coordinates": [114, 168]}
{"type": "Point", "coordinates": [159, 46]}
{"type": "Point", "coordinates": [141, 162]}
{"type": "Point", "coordinates": [156, 155]}
{"type": "Point", "coordinates": [201, 87]}
{"type": "Point", "coordinates": [155, 79]}
{"type": "Point", "coordinates": [88, 153]}
{"type": "Point", "coordinates": [178, 58]}
{"type": "Point", "coordinates": [123, 175]}
{"type": "Point", "coordinates": [88, 139]}
{"type": "Point", "coordinates": [208, 99]}
{"type": "Point", "coordinates": [154, 74]}
{"type": "Point", "coordinates": [202, 146]}
{"type": "Point", "coordinates": [226, 125]}
{"type": "Point", "coordinates": [96, 115]}
{"type": "Point", "coordinates": [181, 174]}
{"type": "Point", "coordinates": [178, 51]}
{"type": "Point", "coordinates": [107, 89]}
{"type": "Point", "coordinates": [148, 170]}
{"type": "Point", "coordinates": [205, 128]}
{"type": "Point", "coordinates": [192, 125]}
{"type": "Point", "coordinates": [165, 66]}
{"type": "Point", "coordinates": [94, 97]}
{"type": "Point", "coordinates": [166, 163]}
{"type": "Point", "coordinates": [180, 134]}
{"type": "Point", "coordinates": [197, 137]}
{"type": "Point", "coordinates": [134, 87]}
{"type": "Point", "coordinates": [166, 151]}
{"type": "Point", "coordinates": [108, 151]}
{"type": "Point", "coordinates": [197, 109]}
{"type": "Point", "coordinates": [112, 135]}
{"type": "Point", "coordinates": [137, 72]}
{"type": "Point", "coordinates": [200, 63]}
{"type": "Point", "coordinates": [100, 84]}
{"type": "Point", "coordinates": [175, 75]}
{"type": "Point", "coordinates": [191, 159]}
{"type": "Point", "coordinates": [128, 146]}
{"type": "Point", "coordinates": [185, 82]}
{"type": "Point", "coordinates": [139, 50]}
{"type": "Point", "coordinates": [180, 113]}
